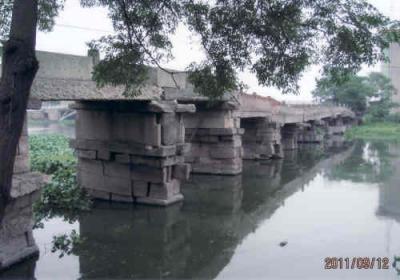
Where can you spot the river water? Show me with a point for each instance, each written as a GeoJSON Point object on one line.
{"type": "Point", "coordinates": [278, 220]}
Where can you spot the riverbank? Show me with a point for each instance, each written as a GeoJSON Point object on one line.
{"type": "Point", "coordinates": [375, 131]}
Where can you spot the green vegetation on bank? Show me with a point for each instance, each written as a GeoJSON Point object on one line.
{"type": "Point", "coordinates": [61, 196]}
{"type": "Point", "coordinates": [33, 122]}
{"type": "Point", "coordinates": [375, 131]}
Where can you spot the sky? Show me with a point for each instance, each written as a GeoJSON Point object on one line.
{"type": "Point", "coordinates": [75, 26]}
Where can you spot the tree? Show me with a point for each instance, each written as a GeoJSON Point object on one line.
{"type": "Point", "coordinates": [357, 92]}
{"type": "Point", "coordinates": [19, 67]}
{"type": "Point", "coordinates": [276, 39]}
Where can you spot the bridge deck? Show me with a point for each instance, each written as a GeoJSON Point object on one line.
{"type": "Point", "coordinates": [69, 77]}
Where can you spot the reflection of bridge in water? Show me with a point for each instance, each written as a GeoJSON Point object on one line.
{"type": "Point", "coordinates": [196, 239]}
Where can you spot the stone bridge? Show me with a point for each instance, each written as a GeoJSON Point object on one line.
{"type": "Point", "coordinates": [139, 149]}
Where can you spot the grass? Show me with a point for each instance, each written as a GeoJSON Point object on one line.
{"type": "Point", "coordinates": [375, 131]}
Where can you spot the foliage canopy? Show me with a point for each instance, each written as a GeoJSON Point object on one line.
{"type": "Point", "coordinates": [371, 94]}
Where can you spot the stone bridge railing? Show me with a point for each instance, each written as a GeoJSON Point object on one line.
{"type": "Point", "coordinates": [256, 106]}
{"type": "Point", "coordinates": [306, 113]}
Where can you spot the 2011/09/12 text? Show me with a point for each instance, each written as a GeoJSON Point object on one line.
{"type": "Point", "coordinates": [357, 263]}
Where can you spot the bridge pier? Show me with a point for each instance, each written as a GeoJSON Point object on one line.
{"type": "Point", "coordinates": [216, 139]}
{"type": "Point", "coordinates": [336, 126]}
{"type": "Point", "coordinates": [290, 136]}
{"type": "Point", "coordinates": [312, 132]}
{"type": "Point", "coordinates": [131, 151]}
{"type": "Point", "coordinates": [261, 139]}
{"type": "Point", "coordinates": [16, 221]}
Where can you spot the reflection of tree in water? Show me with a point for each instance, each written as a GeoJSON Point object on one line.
{"type": "Point", "coordinates": [369, 162]}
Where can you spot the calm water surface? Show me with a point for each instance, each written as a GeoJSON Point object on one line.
{"type": "Point", "coordinates": [340, 203]}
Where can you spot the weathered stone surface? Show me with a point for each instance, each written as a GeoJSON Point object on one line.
{"type": "Point", "coordinates": [135, 172]}
{"type": "Point", "coordinates": [214, 131]}
{"type": "Point", "coordinates": [220, 167]}
{"type": "Point", "coordinates": [138, 157]}
{"type": "Point", "coordinates": [91, 166]}
{"type": "Point", "coordinates": [126, 147]}
{"type": "Point", "coordinates": [160, 202]}
{"type": "Point", "coordinates": [103, 154]}
{"type": "Point", "coordinates": [16, 239]}
{"type": "Point", "coordinates": [23, 146]}
{"type": "Point", "coordinates": [113, 185]}
{"type": "Point", "coordinates": [169, 128]}
{"type": "Point", "coordinates": [181, 172]}
{"type": "Point", "coordinates": [93, 125]}
{"type": "Point", "coordinates": [261, 140]}
{"type": "Point", "coordinates": [210, 119]}
{"type": "Point", "coordinates": [141, 189]}
{"type": "Point", "coordinates": [88, 154]}
{"type": "Point", "coordinates": [183, 149]}
{"type": "Point", "coordinates": [26, 183]}
{"type": "Point", "coordinates": [225, 152]}
{"type": "Point", "coordinates": [21, 164]}
{"type": "Point", "coordinates": [135, 127]}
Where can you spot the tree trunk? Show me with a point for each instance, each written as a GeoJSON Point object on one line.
{"type": "Point", "coordinates": [19, 67]}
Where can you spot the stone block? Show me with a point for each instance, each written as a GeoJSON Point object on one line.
{"type": "Point", "coordinates": [115, 169]}
{"type": "Point", "coordinates": [23, 146]}
{"type": "Point", "coordinates": [135, 172]}
{"type": "Point", "coordinates": [141, 188]}
{"type": "Point", "coordinates": [94, 181]}
{"type": "Point", "coordinates": [208, 139]}
{"type": "Point", "coordinates": [103, 154]}
{"type": "Point", "coordinates": [225, 152]}
{"type": "Point", "coordinates": [181, 171]}
{"type": "Point", "coordinates": [136, 127]}
{"type": "Point", "coordinates": [117, 185]}
{"type": "Point", "coordinates": [122, 158]}
{"type": "Point", "coordinates": [181, 130]}
{"type": "Point", "coordinates": [113, 185]}
{"type": "Point", "coordinates": [213, 131]}
{"type": "Point", "coordinates": [122, 198]}
{"type": "Point", "coordinates": [94, 125]}
{"type": "Point", "coordinates": [154, 161]}
{"type": "Point", "coordinates": [169, 128]}
{"type": "Point", "coordinates": [97, 194]}
{"type": "Point", "coordinates": [21, 164]}
{"type": "Point", "coordinates": [27, 185]}
{"type": "Point", "coordinates": [210, 119]}
{"type": "Point", "coordinates": [148, 173]}
{"type": "Point", "coordinates": [91, 166]}
{"type": "Point", "coordinates": [165, 190]}
{"type": "Point", "coordinates": [160, 202]}
{"type": "Point", "coordinates": [88, 154]}
{"type": "Point", "coordinates": [206, 165]}
{"type": "Point", "coordinates": [183, 149]}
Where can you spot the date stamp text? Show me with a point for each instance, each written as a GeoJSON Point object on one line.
{"type": "Point", "coordinates": [357, 263]}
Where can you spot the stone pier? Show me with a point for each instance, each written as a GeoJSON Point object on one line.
{"type": "Point", "coordinates": [261, 139]}
{"type": "Point", "coordinates": [16, 239]}
{"type": "Point", "coordinates": [216, 140]}
{"type": "Point", "coordinates": [335, 126]}
{"type": "Point", "coordinates": [132, 151]}
{"type": "Point", "coordinates": [290, 136]}
{"type": "Point", "coordinates": [312, 132]}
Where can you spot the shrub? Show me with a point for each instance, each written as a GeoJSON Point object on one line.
{"type": "Point", "coordinates": [50, 154]}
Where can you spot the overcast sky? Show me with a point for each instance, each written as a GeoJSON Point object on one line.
{"type": "Point", "coordinates": [75, 26]}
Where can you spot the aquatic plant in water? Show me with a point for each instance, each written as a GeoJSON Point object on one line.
{"type": "Point", "coordinates": [51, 155]}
